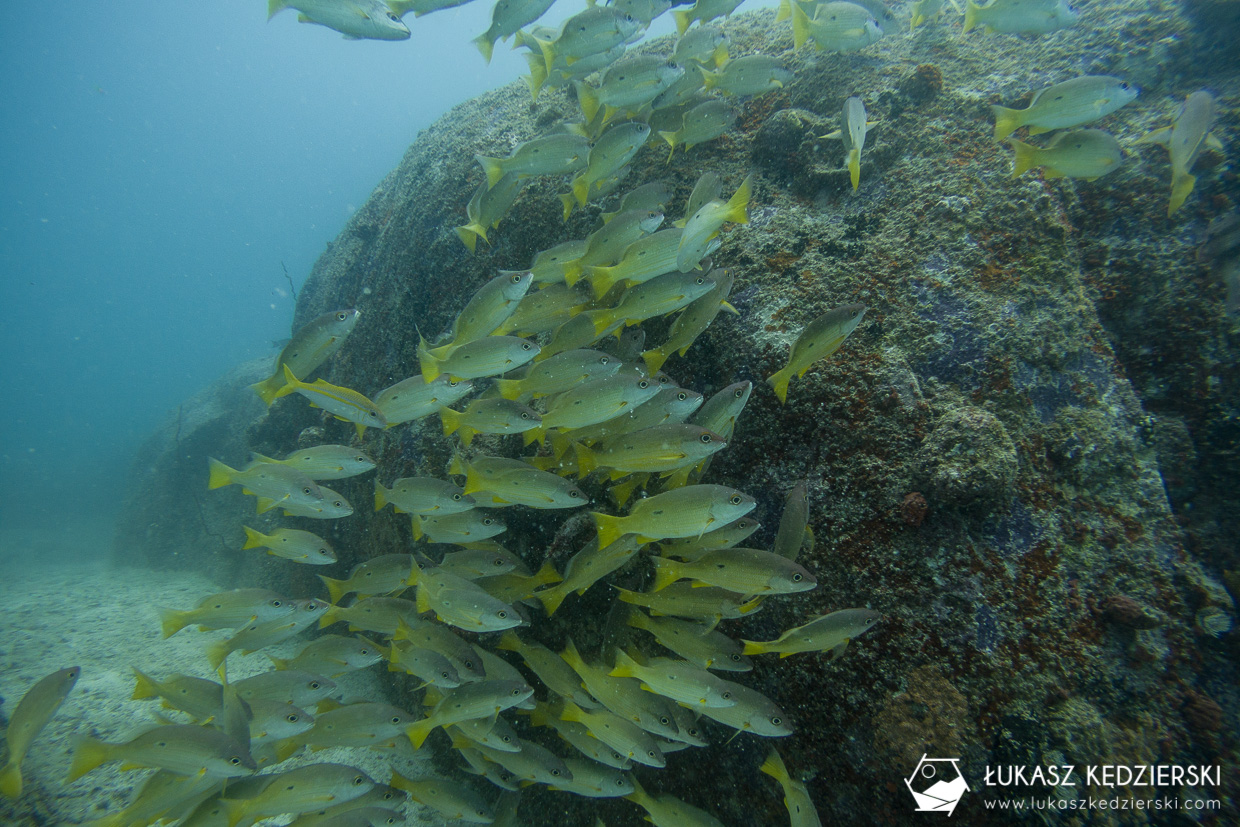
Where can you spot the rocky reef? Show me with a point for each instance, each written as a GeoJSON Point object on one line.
{"type": "Point", "coordinates": [1025, 457]}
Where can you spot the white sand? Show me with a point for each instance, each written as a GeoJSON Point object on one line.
{"type": "Point", "coordinates": [72, 614]}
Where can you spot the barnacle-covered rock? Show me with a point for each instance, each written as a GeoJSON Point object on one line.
{"type": "Point", "coordinates": [969, 462]}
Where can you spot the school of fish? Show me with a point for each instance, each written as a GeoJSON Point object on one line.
{"type": "Point", "coordinates": [528, 354]}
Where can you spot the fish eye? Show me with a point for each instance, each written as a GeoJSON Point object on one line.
{"type": "Point", "coordinates": [293, 718]}
{"type": "Point", "coordinates": [643, 384]}
{"type": "Point", "coordinates": [393, 17]}
{"type": "Point", "coordinates": [516, 279]}
{"type": "Point", "coordinates": [727, 696]}
{"type": "Point", "coordinates": [736, 499]}
{"type": "Point", "coordinates": [516, 692]}
{"type": "Point", "coordinates": [665, 720]}
{"type": "Point", "coordinates": [777, 721]}
{"type": "Point", "coordinates": [277, 603]}
{"type": "Point", "coordinates": [796, 578]}
{"type": "Point", "coordinates": [315, 684]}
{"type": "Point", "coordinates": [307, 490]}
{"type": "Point", "coordinates": [456, 496]}
{"type": "Point", "coordinates": [605, 360]}
{"type": "Point", "coordinates": [323, 551]}
{"type": "Point", "coordinates": [338, 504]}
{"type": "Point", "coordinates": [359, 779]}
{"type": "Point", "coordinates": [443, 675]}
{"type": "Point", "coordinates": [501, 614]}
{"type": "Point", "coordinates": [365, 652]}
{"type": "Point", "coordinates": [682, 396]}
{"type": "Point", "coordinates": [555, 773]}
{"type": "Point", "coordinates": [395, 720]}
{"type": "Point", "coordinates": [452, 383]}
{"type": "Point", "coordinates": [574, 493]}
{"type": "Point", "coordinates": [374, 414]}
{"type": "Point", "coordinates": [650, 753]}
{"type": "Point", "coordinates": [340, 317]}
{"type": "Point", "coordinates": [469, 664]}
{"type": "Point", "coordinates": [487, 521]}
{"type": "Point", "coordinates": [705, 439]}
{"type": "Point", "coordinates": [735, 657]}
{"type": "Point", "coordinates": [738, 394]}
{"type": "Point", "coordinates": [525, 416]}
{"type": "Point", "coordinates": [526, 346]}
{"type": "Point", "coordinates": [700, 280]}
{"type": "Point", "coordinates": [499, 561]}
{"type": "Point", "coordinates": [234, 761]}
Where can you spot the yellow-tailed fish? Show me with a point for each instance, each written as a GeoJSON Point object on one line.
{"type": "Point", "coordinates": [1081, 153]}
{"type": "Point", "coordinates": [414, 398]}
{"type": "Point", "coordinates": [705, 11]}
{"type": "Point", "coordinates": [643, 10]}
{"type": "Point", "coordinates": [226, 610]}
{"type": "Point", "coordinates": [691, 548]}
{"type": "Point", "coordinates": [817, 340]}
{"type": "Point", "coordinates": [669, 406]}
{"type": "Point", "coordinates": [425, 664]}
{"type": "Point", "coordinates": [924, 11]}
{"type": "Point", "coordinates": [33, 712]}
{"type": "Point", "coordinates": [559, 154]}
{"type": "Point", "coordinates": [625, 737]}
{"type": "Point", "coordinates": [332, 506]}
{"type": "Point", "coordinates": [498, 734]}
{"type": "Point", "coordinates": [559, 373]}
{"type": "Point", "coordinates": [517, 588]}
{"type": "Point", "coordinates": [694, 642]}
{"type": "Point", "coordinates": [489, 356]}
{"type": "Point", "coordinates": [420, 7]}
{"type": "Point", "coordinates": [1019, 16]}
{"type": "Point", "coordinates": [718, 414]}
{"type": "Point", "coordinates": [355, 19]}
{"type": "Point", "coordinates": [261, 634]}
{"type": "Point", "coordinates": [835, 27]}
{"type": "Point", "coordinates": [707, 188]}
{"type": "Point", "coordinates": [658, 297]}
{"type": "Point", "coordinates": [482, 766]}
{"type": "Point", "coordinates": [487, 208]}
{"type": "Point", "coordinates": [342, 403]}
{"type": "Point", "coordinates": [852, 131]}
{"type": "Point", "coordinates": [667, 810]}
{"type": "Point", "coordinates": [276, 721]}
{"type": "Point", "coordinates": [499, 669]}
{"type": "Point", "coordinates": [378, 575]}
{"type": "Point", "coordinates": [486, 310]}
{"type": "Point", "coordinates": [608, 243]}
{"type": "Point", "coordinates": [578, 735]}
{"type": "Point", "coordinates": [310, 347]}
{"type": "Point", "coordinates": [685, 512]}
{"type": "Point", "coordinates": [441, 639]}
{"type": "Point", "coordinates": [550, 668]}
{"type": "Point", "coordinates": [463, 604]}
{"type": "Point", "coordinates": [652, 197]}
{"type": "Point", "coordinates": [182, 749]}
{"type": "Point", "coordinates": [292, 544]}
{"type": "Point", "coordinates": [454, 801]}
{"type": "Point", "coordinates": [750, 75]}
{"type": "Point", "coordinates": [710, 603]}
{"type": "Point", "coordinates": [704, 225]}
{"type": "Point", "coordinates": [301, 790]}
{"type": "Point", "coordinates": [423, 495]}
{"type": "Point", "coordinates": [531, 762]}
{"type": "Point", "coordinates": [684, 92]}
{"type": "Point", "coordinates": [657, 449]}
{"type": "Point", "coordinates": [496, 482]}
{"type": "Point", "coordinates": [325, 462]}
{"type": "Point", "coordinates": [507, 17]}
{"type": "Point", "coordinates": [577, 332]}
{"type": "Point", "coordinates": [830, 632]}
{"type": "Point", "coordinates": [489, 416]}
{"type": "Point", "coordinates": [644, 259]}
{"type": "Point", "coordinates": [484, 699]}
{"type": "Point", "coordinates": [627, 85]}
{"type": "Point", "coordinates": [586, 568]}
{"type": "Point", "coordinates": [475, 563]}
{"type": "Point", "coordinates": [800, 806]}
{"type": "Point", "coordinates": [163, 795]}
{"type": "Point", "coordinates": [794, 531]}
{"type": "Point", "coordinates": [596, 401]}
{"type": "Point", "coordinates": [333, 655]}
{"type": "Point", "coordinates": [747, 571]}
{"type": "Point", "coordinates": [278, 483]}
{"type": "Point", "coordinates": [589, 32]}
{"type": "Point", "coordinates": [198, 697]}
{"type": "Point", "coordinates": [297, 688]}
{"type": "Point", "coordinates": [544, 310]}
{"type": "Point", "coordinates": [1071, 103]}
{"type": "Point", "coordinates": [707, 45]}
{"type": "Point", "coordinates": [753, 712]}
{"type": "Point", "coordinates": [548, 266]}
{"type": "Point", "coordinates": [610, 152]}
{"type": "Point", "coordinates": [679, 680]}
{"type": "Point", "coordinates": [592, 780]}
{"type": "Point", "coordinates": [357, 725]}
{"type": "Point", "coordinates": [1184, 141]}
{"type": "Point", "coordinates": [692, 322]}
{"type": "Point", "coordinates": [464, 528]}
{"type": "Point", "coordinates": [704, 122]}
{"type": "Point", "coordinates": [625, 698]}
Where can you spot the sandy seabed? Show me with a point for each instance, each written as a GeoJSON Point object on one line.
{"type": "Point", "coordinates": [61, 608]}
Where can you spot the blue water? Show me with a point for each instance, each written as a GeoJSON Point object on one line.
{"type": "Point", "coordinates": [162, 163]}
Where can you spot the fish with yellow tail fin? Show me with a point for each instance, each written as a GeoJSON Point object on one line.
{"type": "Point", "coordinates": [753, 712]}
{"type": "Point", "coordinates": [595, 30]}
{"type": "Point", "coordinates": [292, 544]}
{"type": "Point", "coordinates": [667, 810]}
{"type": "Point", "coordinates": [749, 75]}
{"type": "Point", "coordinates": [830, 632]}
{"type": "Point", "coordinates": [333, 655]}
{"type": "Point", "coordinates": [549, 265]}
{"type": "Point", "coordinates": [487, 207]}
{"type": "Point", "coordinates": [507, 18]}
{"type": "Point", "coordinates": [1062, 105]}
{"type": "Point", "coordinates": [596, 401]}
{"type": "Point", "coordinates": [627, 86]}
{"type": "Point", "coordinates": [707, 648]}
{"type": "Point", "coordinates": [422, 495]}
{"type": "Point", "coordinates": [483, 699]}
{"type": "Point", "coordinates": [678, 680]}
{"type": "Point", "coordinates": [489, 356]}
{"type": "Point", "coordinates": [800, 806]}
{"type": "Point", "coordinates": [660, 296]}
{"type": "Point", "coordinates": [746, 571]}
{"type": "Point", "coordinates": [852, 131]}
{"type": "Point", "coordinates": [311, 346]}
{"type": "Point", "coordinates": [33, 712]}
{"type": "Point", "coordinates": [455, 801]}
{"type": "Point", "coordinates": [559, 154]}
{"type": "Point", "coordinates": [835, 27]}
{"type": "Point", "coordinates": [468, 528]}
{"type": "Point", "coordinates": [226, 610]}
{"type": "Point", "coordinates": [324, 462]}
{"type": "Point", "coordinates": [302, 790]}
{"type": "Point", "coordinates": [355, 19]}
{"type": "Point", "coordinates": [486, 310]}
{"type": "Point", "coordinates": [644, 259]}
{"type": "Point", "coordinates": [586, 568]}
{"type": "Point", "coordinates": [614, 148]}
{"type": "Point", "coordinates": [684, 512]}
{"type": "Point", "coordinates": [378, 575]}
{"type": "Point", "coordinates": [704, 122]}
{"type": "Point", "coordinates": [198, 697]}
{"type": "Point", "coordinates": [278, 483]}
{"type": "Point", "coordinates": [261, 634]}
{"type": "Point", "coordinates": [415, 398]}
{"type": "Point", "coordinates": [617, 732]}
{"type": "Point", "coordinates": [704, 225]}
{"type": "Point", "coordinates": [709, 603]}
{"type": "Point", "coordinates": [705, 45]}
{"type": "Point", "coordinates": [343, 403]}
{"type": "Point", "coordinates": [1019, 16]}
{"type": "Point", "coordinates": [498, 482]}
{"type": "Point", "coordinates": [692, 322]}
{"type": "Point", "coordinates": [794, 531]}
{"type": "Point", "coordinates": [705, 11]}
{"type": "Point", "coordinates": [372, 614]}
{"type": "Point", "coordinates": [818, 340]}
{"type": "Point", "coordinates": [184, 749]}
{"type": "Point", "coordinates": [924, 12]}
{"type": "Point", "coordinates": [489, 416]}
{"type": "Point", "coordinates": [550, 668]}
{"type": "Point", "coordinates": [1081, 153]}
{"type": "Point", "coordinates": [663, 448]}
{"type": "Point", "coordinates": [691, 548]}
{"type": "Point", "coordinates": [1184, 141]}
{"type": "Point", "coordinates": [559, 373]}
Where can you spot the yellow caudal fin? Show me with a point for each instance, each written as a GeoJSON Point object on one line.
{"type": "Point", "coordinates": [738, 204]}
{"type": "Point", "coordinates": [625, 667]}
{"type": "Point", "coordinates": [509, 641]}
{"type": "Point", "coordinates": [172, 621]}
{"type": "Point", "coordinates": [581, 189]}
{"type": "Point", "coordinates": [1158, 136]}
{"type": "Point", "coordinates": [587, 461]}
{"type": "Point", "coordinates": [970, 16]}
{"type": "Point", "coordinates": [570, 203]}
{"type": "Point", "coordinates": [1007, 120]}
{"type": "Point", "coordinates": [508, 388]}
{"type": "Point", "coordinates": [144, 686]}
{"type": "Point", "coordinates": [380, 496]}
{"type": "Point", "coordinates": [267, 388]}
{"type": "Point", "coordinates": [1025, 158]}
{"type": "Point", "coordinates": [774, 767]}
{"type": "Point", "coordinates": [90, 753]}
{"type": "Point", "coordinates": [779, 381]}
{"type": "Point", "coordinates": [551, 598]}
{"type": "Point", "coordinates": [785, 11]}
{"type": "Point", "coordinates": [623, 491]}
{"type": "Point", "coordinates": [709, 79]}
{"type": "Point", "coordinates": [329, 617]}
{"type": "Point", "coordinates": [217, 652]}
{"type": "Point", "coordinates": [485, 45]}
{"type": "Point", "coordinates": [610, 528]}
{"type": "Point", "coordinates": [219, 475]}
{"type": "Point", "coordinates": [335, 588]}
{"type": "Point", "coordinates": [492, 167]}
{"type": "Point", "coordinates": [754, 647]}
{"type": "Point", "coordinates": [666, 572]}
{"type": "Point", "coordinates": [800, 26]}
{"type": "Point", "coordinates": [682, 21]}
{"type": "Point", "coordinates": [587, 98]}
{"type": "Point", "coordinates": [451, 420]}
{"type": "Point", "coordinates": [253, 539]}
{"type": "Point", "coordinates": [418, 732]}
{"type": "Point", "coordinates": [1182, 184]}
{"type": "Point", "coordinates": [559, 443]}
{"type": "Point", "coordinates": [11, 779]}
{"type": "Point", "coordinates": [291, 383]}
{"type": "Point", "coordinates": [427, 361]}
{"type": "Point", "coordinates": [274, 7]}
{"type": "Point", "coordinates": [854, 167]}
{"type": "Point", "coordinates": [469, 235]}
